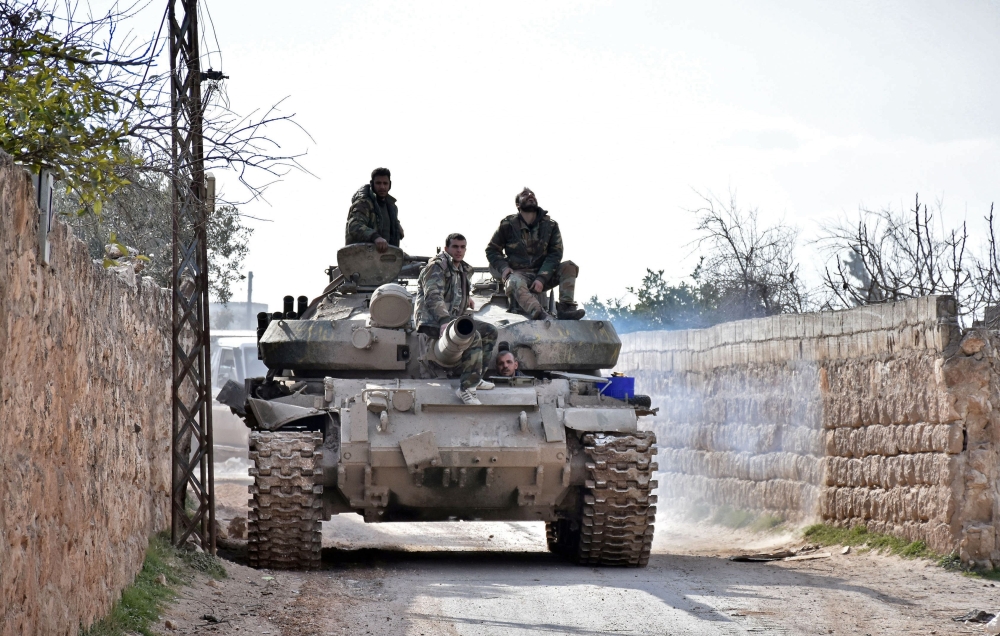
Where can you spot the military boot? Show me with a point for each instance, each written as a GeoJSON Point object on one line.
{"type": "Point", "coordinates": [569, 311]}
{"type": "Point", "coordinates": [540, 314]}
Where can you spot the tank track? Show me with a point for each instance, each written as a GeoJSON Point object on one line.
{"type": "Point", "coordinates": [286, 508]}
{"type": "Point", "coordinates": [618, 508]}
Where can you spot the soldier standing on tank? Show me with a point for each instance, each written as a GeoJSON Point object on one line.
{"type": "Point", "coordinates": [443, 295]}
{"type": "Point", "coordinates": [374, 217]}
{"type": "Point", "coordinates": [525, 254]}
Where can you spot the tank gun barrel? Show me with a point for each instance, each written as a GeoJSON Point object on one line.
{"type": "Point", "coordinates": [456, 339]}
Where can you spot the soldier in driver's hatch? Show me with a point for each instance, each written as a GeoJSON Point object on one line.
{"type": "Point", "coordinates": [525, 254]}
{"type": "Point", "coordinates": [508, 366]}
{"type": "Point", "coordinates": [443, 295]}
{"type": "Point", "coordinates": [374, 217]}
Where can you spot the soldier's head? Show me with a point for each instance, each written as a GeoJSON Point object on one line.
{"type": "Point", "coordinates": [526, 201]}
{"type": "Point", "coordinates": [381, 182]}
{"type": "Point", "coordinates": [507, 364]}
{"type": "Point", "coordinates": [455, 245]}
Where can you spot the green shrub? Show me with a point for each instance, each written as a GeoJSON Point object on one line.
{"type": "Point", "coordinates": [141, 602]}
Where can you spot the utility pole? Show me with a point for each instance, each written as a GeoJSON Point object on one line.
{"type": "Point", "coordinates": [249, 323]}
{"type": "Point", "coordinates": [191, 447]}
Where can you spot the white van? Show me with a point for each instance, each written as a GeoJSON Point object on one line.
{"type": "Point", "coordinates": [234, 357]}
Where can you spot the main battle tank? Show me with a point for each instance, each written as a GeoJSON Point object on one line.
{"type": "Point", "coordinates": [358, 414]}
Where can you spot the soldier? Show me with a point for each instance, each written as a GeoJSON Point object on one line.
{"type": "Point", "coordinates": [525, 254]}
{"type": "Point", "coordinates": [373, 217]}
{"type": "Point", "coordinates": [508, 365]}
{"type": "Point", "coordinates": [443, 295]}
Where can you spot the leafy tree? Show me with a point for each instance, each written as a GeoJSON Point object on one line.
{"type": "Point", "coordinates": [82, 100]}
{"type": "Point", "coordinates": [55, 111]}
{"type": "Point", "coordinates": [227, 250]}
{"type": "Point", "coordinates": [660, 305]}
{"type": "Point", "coordinates": [139, 215]}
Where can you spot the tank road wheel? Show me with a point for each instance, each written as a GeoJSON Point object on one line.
{"type": "Point", "coordinates": [563, 536]}
{"type": "Point", "coordinates": [286, 508]}
{"type": "Point", "coordinates": [618, 508]}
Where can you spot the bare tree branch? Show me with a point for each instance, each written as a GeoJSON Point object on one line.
{"type": "Point", "coordinates": [753, 268]}
{"type": "Point", "coordinates": [890, 255]}
{"type": "Point", "coordinates": [126, 67]}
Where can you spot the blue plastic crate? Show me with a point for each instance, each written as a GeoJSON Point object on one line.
{"type": "Point", "coordinates": [620, 387]}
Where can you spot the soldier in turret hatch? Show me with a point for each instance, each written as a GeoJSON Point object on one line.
{"type": "Point", "coordinates": [525, 254]}
{"type": "Point", "coordinates": [443, 295]}
{"type": "Point", "coordinates": [373, 217]}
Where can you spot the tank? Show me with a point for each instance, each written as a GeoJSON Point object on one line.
{"type": "Point", "coordinates": [358, 413]}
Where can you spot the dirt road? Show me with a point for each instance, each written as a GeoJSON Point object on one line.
{"type": "Point", "coordinates": [497, 578]}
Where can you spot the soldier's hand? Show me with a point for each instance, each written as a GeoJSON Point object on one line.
{"type": "Point", "coordinates": [443, 328]}
{"type": "Point", "coordinates": [505, 274]}
{"type": "Point", "coordinates": [381, 244]}
{"type": "Point", "coordinates": [472, 304]}
{"type": "Point", "coordinates": [537, 286]}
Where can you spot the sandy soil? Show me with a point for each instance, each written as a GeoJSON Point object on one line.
{"type": "Point", "coordinates": [498, 578]}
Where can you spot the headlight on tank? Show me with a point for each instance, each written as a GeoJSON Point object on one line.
{"type": "Point", "coordinates": [391, 306]}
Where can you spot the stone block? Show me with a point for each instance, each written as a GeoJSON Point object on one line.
{"type": "Point", "coordinates": [862, 318]}
{"type": "Point", "coordinates": [849, 346]}
{"type": "Point", "coordinates": [978, 545]}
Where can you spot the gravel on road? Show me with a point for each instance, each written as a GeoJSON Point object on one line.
{"type": "Point", "coordinates": [475, 579]}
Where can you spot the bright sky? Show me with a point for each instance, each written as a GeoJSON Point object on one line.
{"type": "Point", "coordinates": [614, 113]}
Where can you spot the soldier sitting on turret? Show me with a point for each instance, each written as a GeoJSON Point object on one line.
{"type": "Point", "coordinates": [374, 217]}
{"type": "Point", "coordinates": [525, 254]}
{"type": "Point", "coordinates": [442, 296]}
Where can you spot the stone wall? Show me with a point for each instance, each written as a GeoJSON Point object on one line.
{"type": "Point", "coordinates": [84, 423]}
{"type": "Point", "coordinates": [880, 415]}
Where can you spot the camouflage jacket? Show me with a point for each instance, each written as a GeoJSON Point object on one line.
{"type": "Point", "coordinates": [366, 221]}
{"type": "Point", "coordinates": [442, 293]}
{"type": "Point", "coordinates": [520, 246]}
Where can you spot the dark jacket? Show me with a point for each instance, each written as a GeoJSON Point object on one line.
{"type": "Point", "coordinates": [442, 293]}
{"type": "Point", "coordinates": [537, 247]}
{"type": "Point", "coordinates": [366, 221]}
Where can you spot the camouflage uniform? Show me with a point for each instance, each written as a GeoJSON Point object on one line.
{"type": "Point", "coordinates": [533, 252]}
{"type": "Point", "coordinates": [442, 296]}
{"type": "Point", "coordinates": [369, 220]}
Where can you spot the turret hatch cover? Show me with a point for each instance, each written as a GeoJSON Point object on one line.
{"type": "Point", "coordinates": [362, 264]}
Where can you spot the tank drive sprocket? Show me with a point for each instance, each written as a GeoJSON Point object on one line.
{"type": "Point", "coordinates": [286, 507]}
{"type": "Point", "coordinates": [563, 536]}
{"type": "Point", "coordinates": [618, 507]}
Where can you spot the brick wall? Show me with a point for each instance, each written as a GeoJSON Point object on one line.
{"type": "Point", "coordinates": [84, 423]}
{"type": "Point", "coordinates": [877, 415]}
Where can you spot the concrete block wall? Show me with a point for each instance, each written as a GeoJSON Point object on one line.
{"type": "Point", "coordinates": [84, 423]}
{"type": "Point", "coordinates": [879, 415]}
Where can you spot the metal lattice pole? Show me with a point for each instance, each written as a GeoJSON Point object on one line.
{"type": "Point", "coordinates": [192, 381]}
